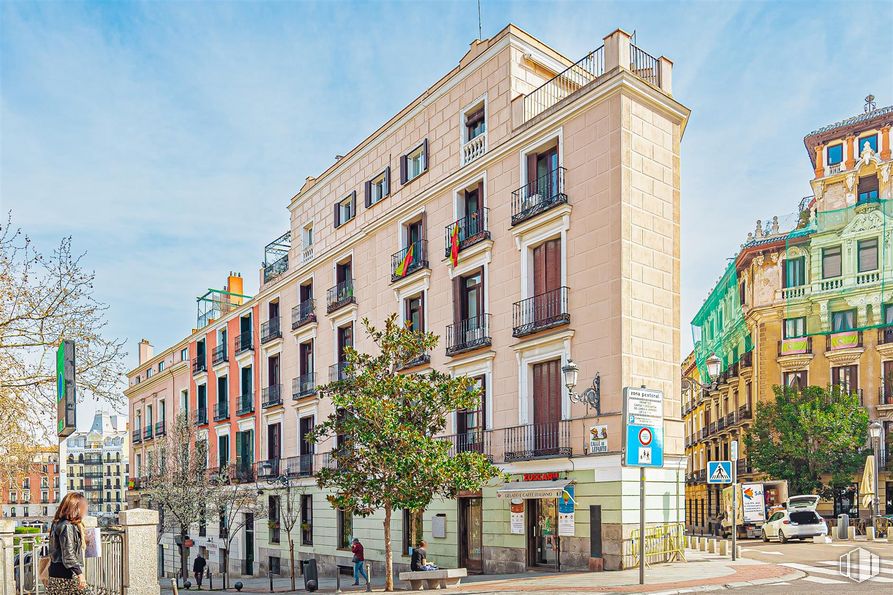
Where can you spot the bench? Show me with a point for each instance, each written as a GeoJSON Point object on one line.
{"type": "Point", "coordinates": [432, 579]}
{"type": "Point", "coordinates": [346, 569]}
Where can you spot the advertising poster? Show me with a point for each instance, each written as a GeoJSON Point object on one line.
{"type": "Point", "coordinates": [93, 547]}
{"type": "Point", "coordinates": [752, 502]}
{"type": "Point", "coordinates": [566, 512]}
{"type": "Point", "coordinates": [517, 519]}
{"type": "Point", "coordinates": [598, 439]}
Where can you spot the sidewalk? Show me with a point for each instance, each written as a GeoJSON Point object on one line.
{"type": "Point", "coordinates": [701, 572]}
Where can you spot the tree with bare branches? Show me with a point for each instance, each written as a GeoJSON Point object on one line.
{"type": "Point", "coordinates": [234, 504]}
{"type": "Point", "coordinates": [45, 298]}
{"type": "Point", "coordinates": [287, 513]}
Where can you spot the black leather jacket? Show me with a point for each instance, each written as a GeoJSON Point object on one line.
{"type": "Point", "coordinates": [66, 546]}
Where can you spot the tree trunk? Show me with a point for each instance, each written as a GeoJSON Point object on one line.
{"type": "Point", "coordinates": [388, 557]}
{"type": "Point", "coordinates": [225, 566]}
{"type": "Point", "coordinates": [183, 562]}
{"type": "Point", "coordinates": [291, 554]}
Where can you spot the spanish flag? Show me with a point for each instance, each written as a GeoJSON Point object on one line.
{"type": "Point", "coordinates": [454, 244]}
{"type": "Point", "coordinates": [403, 267]}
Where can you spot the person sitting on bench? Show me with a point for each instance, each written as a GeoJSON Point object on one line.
{"type": "Point", "coordinates": [419, 562]}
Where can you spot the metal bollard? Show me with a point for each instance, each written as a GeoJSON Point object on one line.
{"type": "Point", "coordinates": [368, 576]}
{"type": "Point", "coordinates": [174, 586]}
{"type": "Point", "coordinates": [270, 574]}
{"type": "Point", "coordinates": [210, 581]}
{"type": "Point", "coordinates": [337, 579]}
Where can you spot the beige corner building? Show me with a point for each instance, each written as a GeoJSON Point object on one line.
{"type": "Point", "coordinates": [526, 209]}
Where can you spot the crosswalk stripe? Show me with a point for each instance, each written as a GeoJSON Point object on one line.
{"type": "Point", "coordinates": [808, 568]}
{"type": "Point", "coordinates": [886, 565]}
{"type": "Point", "coordinates": [822, 580]}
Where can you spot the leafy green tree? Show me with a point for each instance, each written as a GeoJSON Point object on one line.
{"type": "Point", "coordinates": [802, 435]}
{"type": "Point", "coordinates": [388, 455]}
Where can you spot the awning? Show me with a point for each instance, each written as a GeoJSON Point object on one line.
{"type": "Point", "coordinates": [531, 490]}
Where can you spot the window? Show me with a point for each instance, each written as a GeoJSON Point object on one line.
{"type": "Point", "coordinates": [345, 529]}
{"type": "Point", "coordinates": [843, 321]}
{"type": "Point", "coordinates": [831, 262]}
{"type": "Point", "coordinates": [412, 529]}
{"type": "Point", "coordinates": [306, 519]}
{"type": "Point", "coordinates": [834, 154]}
{"type": "Point", "coordinates": [184, 354]}
{"type": "Point", "coordinates": [846, 378]}
{"type": "Point", "coordinates": [414, 163]}
{"type": "Point", "coordinates": [742, 292]}
{"type": "Point", "coordinates": [161, 366]}
{"type": "Point", "coordinates": [794, 327]}
{"type": "Point", "coordinates": [273, 519]}
{"type": "Point", "coordinates": [415, 312]}
{"type": "Point", "coordinates": [471, 423]}
{"type": "Point", "coordinates": [872, 142]}
{"type": "Point", "coordinates": [378, 187]}
{"type": "Point", "coordinates": [345, 209]}
{"type": "Point", "coordinates": [223, 451]}
{"type": "Point", "coordinates": [475, 124]}
{"type": "Point", "coordinates": [795, 380]}
{"type": "Point", "coordinates": [868, 189]}
{"type": "Point", "coordinates": [867, 255]}
{"type": "Point", "coordinates": [307, 241]}
{"type": "Point", "coordinates": [149, 373]}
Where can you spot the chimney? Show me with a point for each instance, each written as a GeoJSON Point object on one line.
{"type": "Point", "coordinates": [146, 351]}
{"type": "Point", "coordinates": [234, 285]}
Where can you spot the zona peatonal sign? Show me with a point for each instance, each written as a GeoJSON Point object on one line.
{"type": "Point", "coordinates": [643, 416]}
{"type": "Point", "coordinates": [66, 397]}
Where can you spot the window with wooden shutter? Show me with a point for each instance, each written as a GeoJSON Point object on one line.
{"type": "Point", "coordinates": [414, 163]}
{"type": "Point", "coordinates": [378, 187]}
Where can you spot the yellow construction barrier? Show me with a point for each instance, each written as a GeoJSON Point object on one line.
{"type": "Point", "coordinates": [663, 543]}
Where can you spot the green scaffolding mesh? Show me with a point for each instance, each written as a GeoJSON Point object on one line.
{"type": "Point", "coordinates": [718, 329]}
{"type": "Point", "coordinates": [834, 277]}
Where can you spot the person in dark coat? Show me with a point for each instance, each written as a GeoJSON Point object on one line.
{"type": "Point", "coordinates": [67, 546]}
{"type": "Point", "coordinates": [198, 568]}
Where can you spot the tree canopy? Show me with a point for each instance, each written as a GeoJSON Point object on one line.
{"type": "Point", "coordinates": [803, 435]}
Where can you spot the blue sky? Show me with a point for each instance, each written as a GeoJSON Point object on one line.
{"type": "Point", "coordinates": [145, 129]}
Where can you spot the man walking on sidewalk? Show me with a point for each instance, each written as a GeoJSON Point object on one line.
{"type": "Point", "coordinates": [198, 568]}
{"type": "Point", "coordinates": [359, 562]}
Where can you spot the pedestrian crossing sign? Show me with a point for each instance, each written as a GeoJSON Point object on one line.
{"type": "Point", "coordinates": [719, 472]}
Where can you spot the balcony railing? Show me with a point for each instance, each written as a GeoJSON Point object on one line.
{"type": "Point", "coordinates": [575, 77]}
{"type": "Point", "coordinates": [201, 416]}
{"type": "Point", "coordinates": [474, 148]}
{"type": "Point", "coordinates": [409, 260]}
{"type": "Point", "coordinates": [711, 429]}
{"type": "Point", "coordinates": [242, 472]}
{"type": "Point", "coordinates": [160, 430]}
{"type": "Point", "coordinates": [730, 419]}
{"type": "Point", "coordinates": [303, 386]}
{"type": "Point", "coordinates": [270, 330]}
{"type": "Point", "coordinates": [218, 354]}
{"type": "Point", "coordinates": [276, 268]}
{"type": "Point", "coordinates": [744, 412]}
{"type": "Point", "coordinates": [299, 466]}
{"type": "Point", "coordinates": [199, 364]}
{"type": "Point", "coordinates": [244, 342]}
{"type": "Point", "coordinates": [268, 469]}
{"type": "Point", "coordinates": [540, 312]}
{"type": "Point", "coordinates": [795, 346]}
{"type": "Point", "coordinates": [477, 440]}
{"type": "Point", "coordinates": [340, 371]}
{"type": "Point", "coordinates": [221, 410]}
{"type": "Point", "coordinates": [340, 295]}
{"type": "Point", "coordinates": [246, 404]}
{"type": "Point", "coordinates": [644, 65]}
{"type": "Point", "coordinates": [536, 441]}
{"type": "Point", "coordinates": [540, 195]}
{"type": "Point", "coordinates": [743, 467]}
{"type": "Point", "coordinates": [746, 360]}
{"type": "Point", "coordinates": [137, 436]}
{"type": "Point", "coordinates": [720, 423]}
{"type": "Point", "coordinates": [307, 254]}
{"type": "Point", "coordinates": [468, 334]}
{"type": "Point", "coordinates": [467, 231]}
{"type": "Point", "coordinates": [843, 340]}
{"type": "Point", "coordinates": [147, 434]}
{"type": "Point", "coordinates": [302, 314]}
{"type": "Point", "coordinates": [885, 335]}
{"type": "Point", "coordinates": [271, 396]}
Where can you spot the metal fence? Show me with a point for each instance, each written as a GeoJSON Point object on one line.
{"type": "Point", "coordinates": [21, 555]}
{"type": "Point", "coordinates": [663, 543]}
{"type": "Point", "coordinates": [573, 78]}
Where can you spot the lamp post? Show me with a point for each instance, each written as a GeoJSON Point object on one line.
{"type": "Point", "coordinates": [874, 431]}
{"type": "Point", "coordinates": [592, 396]}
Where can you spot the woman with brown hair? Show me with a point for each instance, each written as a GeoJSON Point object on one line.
{"type": "Point", "coordinates": [67, 545]}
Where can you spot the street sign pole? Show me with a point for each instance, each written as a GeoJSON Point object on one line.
{"type": "Point", "coordinates": [641, 525]}
{"type": "Point", "coordinates": [734, 500]}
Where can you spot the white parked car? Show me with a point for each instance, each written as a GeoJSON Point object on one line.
{"type": "Point", "coordinates": [799, 523]}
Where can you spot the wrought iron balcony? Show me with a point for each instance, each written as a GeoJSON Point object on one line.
{"type": "Point", "coordinates": [199, 364]}
{"type": "Point", "coordinates": [340, 371]}
{"type": "Point", "coordinates": [720, 423]}
{"type": "Point", "coordinates": [242, 472]}
{"type": "Point", "coordinates": [270, 330]}
{"type": "Point", "coordinates": [468, 231]}
{"type": "Point", "coordinates": [419, 360]}
{"type": "Point", "coordinates": [268, 469]}
{"type": "Point", "coordinates": [221, 410]}
{"type": "Point", "coordinates": [409, 260]}
{"type": "Point", "coordinates": [275, 268]}
{"type": "Point", "coordinates": [159, 428]}
{"type": "Point", "coordinates": [743, 466]}
{"type": "Point", "coordinates": [537, 441]}
{"type": "Point", "coordinates": [540, 312]}
{"type": "Point", "coordinates": [644, 65]}
{"type": "Point", "coordinates": [538, 196]}
{"type": "Point", "coordinates": [201, 416]}
{"type": "Point", "coordinates": [246, 404]}
{"type": "Point", "coordinates": [244, 342]}
{"type": "Point", "coordinates": [477, 440]}
{"type": "Point", "coordinates": [303, 386]}
{"type": "Point", "coordinates": [746, 360]}
{"type": "Point", "coordinates": [271, 396]}
{"type": "Point", "coordinates": [340, 295]}
{"type": "Point", "coordinates": [218, 354]}
{"type": "Point", "coordinates": [299, 466]}
{"type": "Point", "coordinates": [468, 334]}
{"type": "Point", "coordinates": [137, 435]}
{"type": "Point", "coordinates": [744, 412]}
{"type": "Point", "coordinates": [730, 419]}
{"type": "Point", "coordinates": [303, 314]}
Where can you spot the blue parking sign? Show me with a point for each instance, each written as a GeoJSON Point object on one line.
{"type": "Point", "coordinates": [719, 472]}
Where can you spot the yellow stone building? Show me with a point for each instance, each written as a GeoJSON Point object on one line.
{"type": "Point", "coordinates": [807, 300]}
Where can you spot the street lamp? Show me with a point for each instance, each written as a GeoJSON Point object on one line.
{"type": "Point", "coordinates": [714, 367]}
{"type": "Point", "coordinates": [592, 396]}
{"type": "Point", "coordinates": [874, 431]}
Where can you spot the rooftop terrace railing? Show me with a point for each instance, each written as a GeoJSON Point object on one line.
{"type": "Point", "coordinates": [566, 82]}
